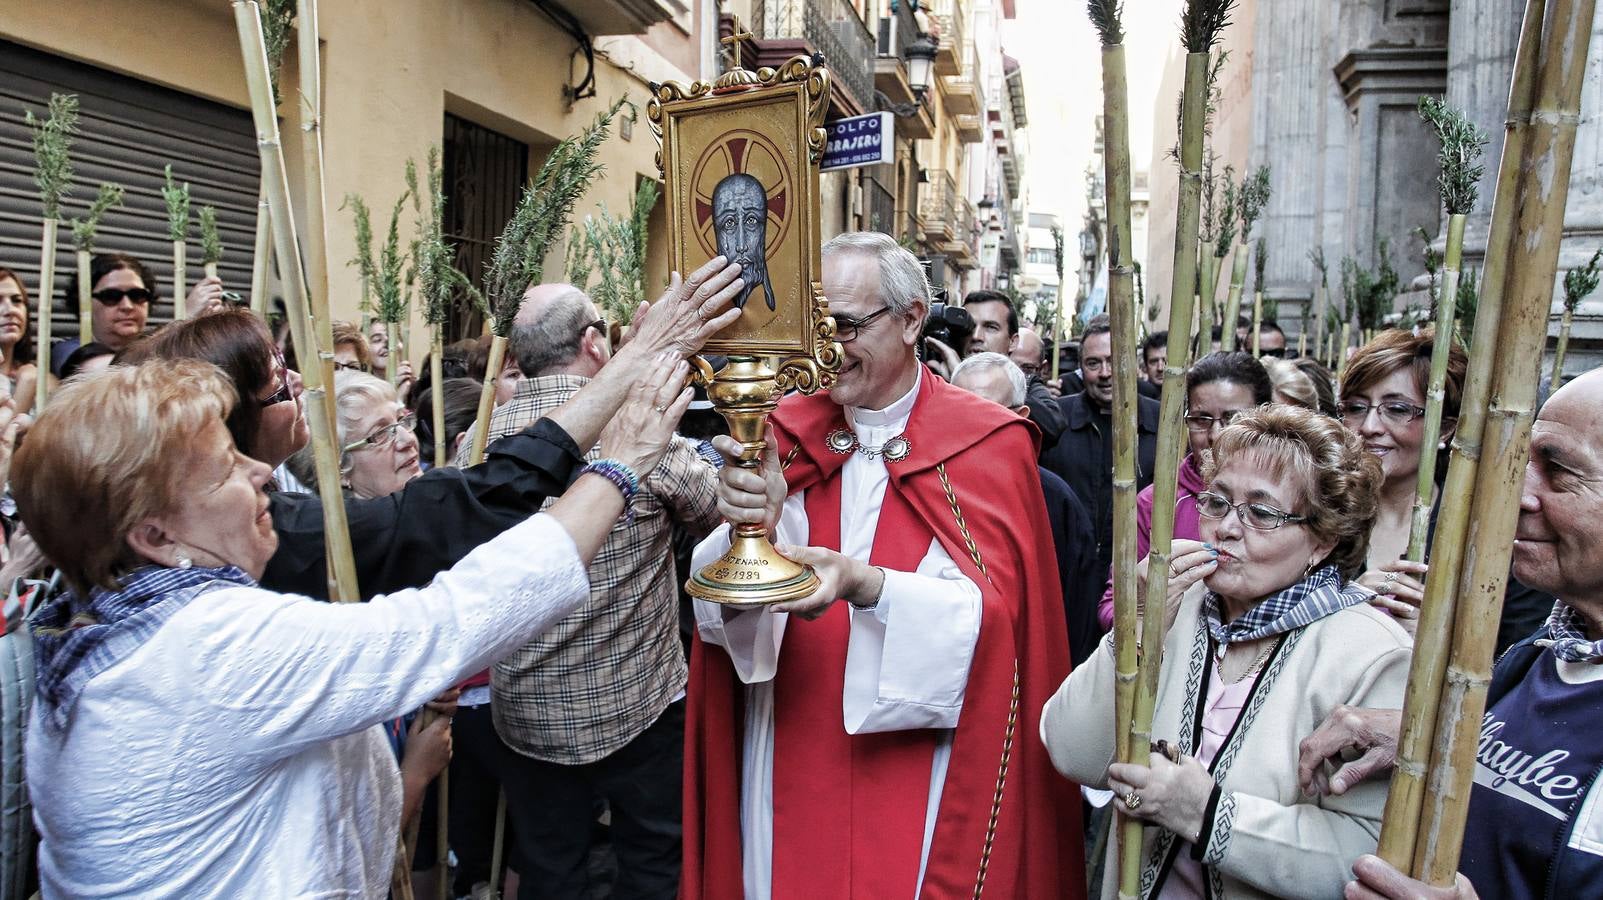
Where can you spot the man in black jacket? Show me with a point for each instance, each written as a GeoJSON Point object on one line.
{"type": "Point", "coordinates": [405, 539]}
{"type": "Point", "coordinates": [1083, 456]}
{"type": "Point", "coordinates": [996, 328]}
{"type": "Point", "coordinates": [1001, 381]}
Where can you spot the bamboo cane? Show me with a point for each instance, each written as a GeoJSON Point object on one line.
{"type": "Point", "coordinates": [1562, 349]}
{"type": "Point", "coordinates": [498, 844]}
{"type": "Point", "coordinates": [442, 838]}
{"type": "Point", "coordinates": [177, 199]}
{"type": "Point", "coordinates": [1441, 351]}
{"type": "Point", "coordinates": [1521, 332]}
{"type": "Point", "coordinates": [261, 256]}
{"type": "Point", "coordinates": [211, 244]}
{"type": "Point", "coordinates": [1400, 827]}
{"type": "Point", "coordinates": [392, 368]}
{"type": "Point", "coordinates": [1342, 348]}
{"type": "Point", "coordinates": [437, 380]}
{"type": "Point", "coordinates": [310, 70]}
{"type": "Point", "coordinates": [1238, 278]}
{"type": "Point", "coordinates": [342, 583]}
{"type": "Point", "coordinates": [1302, 343]}
{"type": "Point", "coordinates": [86, 329]}
{"type": "Point", "coordinates": [1122, 314]}
{"type": "Point", "coordinates": [1257, 320]}
{"type": "Point", "coordinates": [47, 300]}
{"type": "Point", "coordinates": [481, 425]}
{"type": "Point", "coordinates": [1167, 463]}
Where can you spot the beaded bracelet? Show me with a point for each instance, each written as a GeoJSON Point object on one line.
{"type": "Point", "coordinates": [622, 477]}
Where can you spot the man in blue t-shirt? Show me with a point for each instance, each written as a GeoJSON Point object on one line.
{"type": "Point", "coordinates": [1535, 823]}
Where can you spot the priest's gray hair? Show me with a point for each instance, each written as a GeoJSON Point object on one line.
{"type": "Point", "coordinates": [901, 275]}
{"type": "Point", "coordinates": [979, 362]}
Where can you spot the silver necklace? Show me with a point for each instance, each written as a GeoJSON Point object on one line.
{"type": "Point", "coordinates": [894, 450]}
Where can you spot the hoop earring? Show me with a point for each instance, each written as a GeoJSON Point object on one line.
{"type": "Point", "coordinates": [182, 559]}
{"type": "Point", "coordinates": [1308, 572]}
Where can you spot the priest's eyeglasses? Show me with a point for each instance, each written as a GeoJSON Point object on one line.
{"type": "Point", "coordinates": [1392, 412]}
{"type": "Point", "coordinates": [1259, 516]}
{"type": "Point", "coordinates": [846, 327]}
{"type": "Point", "coordinates": [385, 435]}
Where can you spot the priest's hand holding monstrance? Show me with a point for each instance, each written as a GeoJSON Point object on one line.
{"type": "Point", "coordinates": [739, 159]}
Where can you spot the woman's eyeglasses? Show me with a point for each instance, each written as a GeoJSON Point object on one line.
{"type": "Point", "coordinates": [1203, 422]}
{"type": "Point", "coordinates": [114, 296]}
{"type": "Point", "coordinates": [1392, 412]}
{"type": "Point", "coordinates": [847, 328]}
{"type": "Point", "coordinates": [1259, 516]}
{"type": "Point", "coordinates": [384, 436]}
{"type": "Point", "coordinates": [281, 371]}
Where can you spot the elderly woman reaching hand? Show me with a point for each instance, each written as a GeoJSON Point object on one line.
{"type": "Point", "coordinates": [197, 735]}
{"type": "Point", "coordinates": [1265, 636]}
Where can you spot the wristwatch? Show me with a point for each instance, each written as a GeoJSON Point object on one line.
{"type": "Point", "coordinates": [866, 607]}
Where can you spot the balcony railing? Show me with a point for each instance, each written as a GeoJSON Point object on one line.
{"type": "Point", "coordinates": [939, 209]}
{"type": "Point", "coordinates": [951, 17]}
{"type": "Point", "coordinates": [833, 28]}
{"type": "Point", "coordinates": [897, 32]}
{"type": "Point", "coordinates": [879, 200]}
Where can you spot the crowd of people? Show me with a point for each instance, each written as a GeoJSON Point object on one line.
{"type": "Point", "coordinates": [936, 718]}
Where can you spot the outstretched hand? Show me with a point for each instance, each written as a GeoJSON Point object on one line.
{"type": "Point", "coordinates": [1370, 734]}
{"type": "Point", "coordinates": [689, 312]}
{"type": "Point", "coordinates": [638, 434]}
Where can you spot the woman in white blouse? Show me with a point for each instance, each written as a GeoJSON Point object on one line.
{"type": "Point", "coordinates": [196, 735]}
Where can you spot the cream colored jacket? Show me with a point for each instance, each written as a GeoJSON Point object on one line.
{"type": "Point", "coordinates": [1266, 838]}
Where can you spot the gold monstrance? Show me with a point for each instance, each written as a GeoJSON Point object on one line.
{"type": "Point", "coordinates": [739, 158]}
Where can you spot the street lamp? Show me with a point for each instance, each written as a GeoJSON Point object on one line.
{"type": "Point", "coordinates": [920, 57]}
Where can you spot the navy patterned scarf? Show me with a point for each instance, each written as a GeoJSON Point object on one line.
{"type": "Point", "coordinates": [1568, 639]}
{"type": "Point", "coordinates": [76, 639]}
{"type": "Point", "coordinates": [1309, 600]}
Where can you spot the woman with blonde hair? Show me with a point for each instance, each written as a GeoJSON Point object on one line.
{"type": "Point", "coordinates": [1265, 635]}
{"type": "Point", "coordinates": [195, 734]}
{"type": "Point", "coordinates": [1292, 386]}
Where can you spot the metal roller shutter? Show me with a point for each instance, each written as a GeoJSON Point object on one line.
{"type": "Point", "coordinates": [129, 130]}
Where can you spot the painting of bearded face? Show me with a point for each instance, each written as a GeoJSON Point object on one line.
{"type": "Point", "coordinates": [740, 222]}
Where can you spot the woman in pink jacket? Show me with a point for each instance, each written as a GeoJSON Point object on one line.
{"type": "Point", "coordinates": [1219, 387]}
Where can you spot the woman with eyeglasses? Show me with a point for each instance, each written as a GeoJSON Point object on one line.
{"type": "Point", "coordinates": [1219, 387]}
{"type": "Point", "coordinates": [123, 289]}
{"type": "Point", "coordinates": [404, 539]}
{"type": "Point", "coordinates": [1383, 401]}
{"type": "Point", "coordinates": [16, 348]}
{"type": "Point", "coordinates": [1265, 635]}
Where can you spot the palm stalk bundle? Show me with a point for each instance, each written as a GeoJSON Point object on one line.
{"type": "Point", "coordinates": [277, 20]}
{"type": "Point", "coordinates": [616, 251]}
{"type": "Point", "coordinates": [1578, 285]}
{"type": "Point", "coordinates": [438, 282]}
{"type": "Point", "coordinates": [389, 289]}
{"type": "Point", "coordinates": [1252, 193]}
{"type": "Point", "coordinates": [211, 243]}
{"type": "Point", "coordinates": [83, 239]}
{"type": "Point", "coordinates": [364, 261]}
{"type": "Point", "coordinates": [1475, 528]}
{"type": "Point", "coordinates": [342, 567]}
{"type": "Point", "coordinates": [1137, 666]}
{"type": "Point", "coordinates": [1461, 146]}
{"type": "Point", "coordinates": [52, 139]}
{"type": "Point", "coordinates": [518, 261]}
{"type": "Point", "coordinates": [1224, 238]}
{"type": "Point", "coordinates": [176, 197]}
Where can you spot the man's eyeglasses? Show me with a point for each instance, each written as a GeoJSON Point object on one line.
{"type": "Point", "coordinates": [342, 366]}
{"type": "Point", "coordinates": [846, 327]}
{"type": "Point", "coordinates": [1200, 422]}
{"type": "Point", "coordinates": [1392, 412]}
{"type": "Point", "coordinates": [1258, 516]}
{"type": "Point", "coordinates": [599, 325]}
{"type": "Point", "coordinates": [114, 296]}
{"type": "Point", "coordinates": [281, 371]}
{"type": "Point", "coordinates": [383, 437]}
{"type": "Point", "coordinates": [1029, 370]}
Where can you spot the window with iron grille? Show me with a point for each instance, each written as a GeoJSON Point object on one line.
{"type": "Point", "coordinates": [484, 173]}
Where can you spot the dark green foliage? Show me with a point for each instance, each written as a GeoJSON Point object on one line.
{"type": "Point", "coordinates": [1581, 282]}
{"type": "Point", "coordinates": [52, 139]}
{"type": "Point", "coordinates": [1462, 145]}
{"type": "Point", "coordinates": [1106, 15]}
{"type": "Point", "coordinates": [83, 230]}
{"type": "Point", "coordinates": [1202, 23]}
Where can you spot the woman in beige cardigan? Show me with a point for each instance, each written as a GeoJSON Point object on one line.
{"type": "Point", "coordinates": [1266, 634]}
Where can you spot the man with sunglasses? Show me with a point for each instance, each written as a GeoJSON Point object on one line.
{"type": "Point", "coordinates": [123, 289]}
{"type": "Point", "coordinates": [851, 749]}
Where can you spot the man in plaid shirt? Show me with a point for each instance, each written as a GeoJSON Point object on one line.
{"type": "Point", "coordinates": [594, 709]}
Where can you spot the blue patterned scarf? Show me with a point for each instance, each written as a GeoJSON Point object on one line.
{"type": "Point", "coordinates": [76, 639]}
{"type": "Point", "coordinates": [1303, 603]}
{"type": "Point", "coordinates": [1568, 639]}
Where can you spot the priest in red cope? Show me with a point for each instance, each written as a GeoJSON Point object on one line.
{"type": "Point", "coordinates": [877, 739]}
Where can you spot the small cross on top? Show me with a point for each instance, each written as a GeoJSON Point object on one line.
{"type": "Point", "coordinates": [734, 41]}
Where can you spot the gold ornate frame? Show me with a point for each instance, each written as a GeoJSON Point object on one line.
{"type": "Point", "coordinates": [807, 355]}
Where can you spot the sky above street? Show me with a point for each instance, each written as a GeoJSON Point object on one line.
{"type": "Point", "coordinates": [1061, 56]}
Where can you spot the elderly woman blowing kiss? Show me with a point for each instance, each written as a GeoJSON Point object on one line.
{"type": "Point", "coordinates": [196, 735]}
{"type": "Point", "coordinates": [1272, 638]}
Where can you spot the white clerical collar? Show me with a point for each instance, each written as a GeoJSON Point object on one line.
{"type": "Point", "coordinates": [894, 416]}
